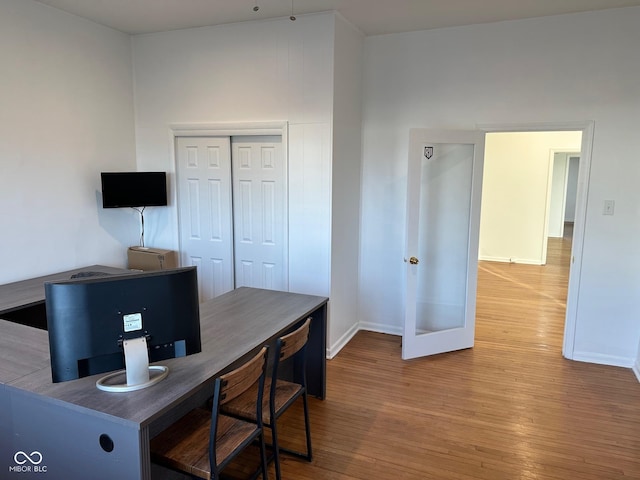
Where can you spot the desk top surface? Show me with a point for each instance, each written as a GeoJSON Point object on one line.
{"type": "Point", "coordinates": [232, 325]}
{"type": "Point", "coordinates": [25, 293]}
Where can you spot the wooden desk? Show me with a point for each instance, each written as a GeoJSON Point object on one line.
{"type": "Point", "coordinates": [73, 424]}
{"type": "Point", "coordinates": [23, 301]}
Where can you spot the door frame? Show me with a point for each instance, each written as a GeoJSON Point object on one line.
{"type": "Point", "coordinates": [550, 182]}
{"type": "Point", "coordinates": [276, 128]}
{"type": "Point", "coordinates": [228, 129]}
{"type": "Point", "coordinates": [584, 170]}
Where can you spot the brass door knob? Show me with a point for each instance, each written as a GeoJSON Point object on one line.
{"type": "Point", "coordinates": [413, 261]}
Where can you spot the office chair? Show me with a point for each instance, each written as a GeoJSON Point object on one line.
{"type": "Point", "coordinates": [203, 442]}
{"type": "Point", "coordinates": [280, 394]}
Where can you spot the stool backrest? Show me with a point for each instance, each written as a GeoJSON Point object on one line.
{"type": "Point", "coordinates": [238, 381]}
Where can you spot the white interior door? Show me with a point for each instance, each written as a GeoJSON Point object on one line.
{"type": "Point", "coordinates": [204, 211]}
{"type": "Point", "coordinates": [232, 207]}
{"type": "Point", "coordinates": [559, 172]}
{"type": "Point", "coordinates": [444, 185]}
{"type": "Point", "coordinates": [260, 213]}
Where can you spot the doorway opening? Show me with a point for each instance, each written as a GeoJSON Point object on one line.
{"type": "Point", "coordinates": [532, 216]}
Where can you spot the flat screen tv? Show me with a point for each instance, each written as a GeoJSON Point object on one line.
{"type": "Point", "coordinates": [106, 323]}
{"type": "Point", "coordinates": [133, 189]}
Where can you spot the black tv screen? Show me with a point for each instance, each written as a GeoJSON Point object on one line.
{"type": "Point", "coordinates": [134, 189]}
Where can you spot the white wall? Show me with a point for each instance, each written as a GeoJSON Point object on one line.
{"type": "Point", "coordinates": [507, 73]}
{"type": "Point", "coordinates": [270, 71]}
{"type": "Point", "coordinates": [264, 71]}
{"type": "Point", "coordinates": [345, 224]}
{"type": "Point", "coordinates": [515, 194]}
{"type": "Point", "coordinates": [66, 113]}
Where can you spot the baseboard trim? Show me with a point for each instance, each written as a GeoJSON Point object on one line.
{"type": "Point", "coordinates": [486, 258]}
{"type": "Point", "coordinates": [636, 370]}
{"type": "Point", "coordinates": [600, 359]}
{"type": "Point", "coordinates": [523, 261]}
{"type": "Point", "coordinates": [334, 349]}
{"type": "Point", "coordinates": [380, 328]}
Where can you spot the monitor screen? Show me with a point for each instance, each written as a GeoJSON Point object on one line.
{"type": "Point", "coordinates": [133, 189]}
{"type": "Point", "coordinates": [89, 319]}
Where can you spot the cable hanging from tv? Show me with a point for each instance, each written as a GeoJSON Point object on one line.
{"type": "Point", "coordinates": [141, 212]}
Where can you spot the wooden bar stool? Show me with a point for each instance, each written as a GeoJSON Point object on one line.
{"type": "Point", "coordinates": [203, 442]}
{"type": "Point", "coordinates": [280, 394]}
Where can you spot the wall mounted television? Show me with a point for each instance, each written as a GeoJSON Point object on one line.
{"type": "Point", "coordinates": [134, 189]}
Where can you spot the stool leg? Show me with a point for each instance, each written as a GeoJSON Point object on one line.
{"type": "Point", "coordinates": [263, 457]}
{"type": "Point", "coordinates": [276, 448]}
{"type": "Point", "coordinates": [307, 426]}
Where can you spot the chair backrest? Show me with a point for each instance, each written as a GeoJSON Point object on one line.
{"type": "Point", "coordinates": [293, 342]}
{"type": "Point", "coordinates": [229, 386]}
{"type": "Point", "coordinates": [292, 345]}
{"type": "Point", "coordinates": [238, 381]}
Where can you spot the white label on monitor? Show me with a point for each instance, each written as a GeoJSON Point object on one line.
{"type": "Point", "coordinates": [132, 322]}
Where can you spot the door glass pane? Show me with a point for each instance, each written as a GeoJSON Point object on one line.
{"type": "Point", "coordinates": [445, 204]}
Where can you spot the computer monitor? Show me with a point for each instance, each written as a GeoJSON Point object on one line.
{"type": "Point", "coordinates": [99, 324]}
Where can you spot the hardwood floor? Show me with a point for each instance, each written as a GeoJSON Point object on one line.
{"type": "Point", "coordinates": [510, 408]}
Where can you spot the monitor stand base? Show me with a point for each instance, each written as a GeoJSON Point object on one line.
{"type": "Point", "coordinates": [117, 381]}
{"type": "Point", "coordinates": [137, 374]}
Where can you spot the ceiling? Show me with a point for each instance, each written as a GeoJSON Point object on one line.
{"type": "Point", "coordinates": [372, 17]}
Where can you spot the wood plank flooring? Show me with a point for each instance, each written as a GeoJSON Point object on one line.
{"type": "Point", "coordinates": [510, 408]}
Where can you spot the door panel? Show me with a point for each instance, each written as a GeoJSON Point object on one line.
{"type": "Point", "coordinates": [443, 196]}
{"type": "Point", "coordinates": [204, 211]}
{"type": "Point", "coordinates": [259, 199]}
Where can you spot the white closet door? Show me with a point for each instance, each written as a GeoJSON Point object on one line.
{"type": "Point", "coordinates": [204, 210]}
{"type": "Point", "coordinates": [259, 212]}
